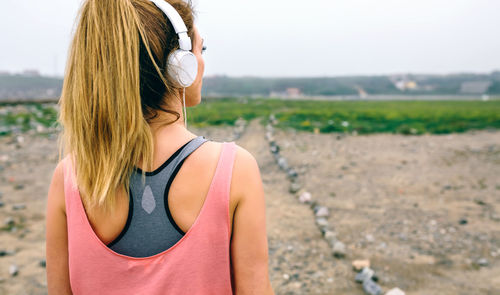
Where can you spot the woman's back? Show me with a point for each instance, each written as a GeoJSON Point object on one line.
{"type": "Point", "coordinates": [199, 263]}
{"type": "Point", "coordinates": [185, 199]}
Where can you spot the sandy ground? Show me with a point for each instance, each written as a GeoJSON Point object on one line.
{"type": "Point", "coordinates": [396, 200]}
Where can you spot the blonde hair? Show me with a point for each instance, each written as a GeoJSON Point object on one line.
{"type": "Point", "coordinates": [107, 99]}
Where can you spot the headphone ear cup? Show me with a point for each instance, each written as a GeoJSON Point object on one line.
{"type": "Point", "coordinates": [182, 67]}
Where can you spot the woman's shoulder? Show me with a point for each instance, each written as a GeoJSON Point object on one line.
{"type": "Point", "coordinates": [246, 180]}
{"type": "Point", "coordinates": [243, 160]}
{"type": "Point", "coordinates": [245, 171]}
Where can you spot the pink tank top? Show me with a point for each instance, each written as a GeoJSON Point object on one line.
{"type": "Point", "coordinates": [199, 263]}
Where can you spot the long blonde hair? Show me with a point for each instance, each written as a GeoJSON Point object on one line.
{"type": "Point", "coordinates": [114, 84]}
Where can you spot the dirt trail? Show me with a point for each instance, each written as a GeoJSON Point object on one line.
{"type": "Point", "coordinates": [300, 260]}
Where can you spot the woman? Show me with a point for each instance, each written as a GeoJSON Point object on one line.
{"type": "Point", "coordinates": [139, 204]}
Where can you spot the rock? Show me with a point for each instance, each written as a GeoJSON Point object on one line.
{"type": "Point", "coordinates": [321, 211]}
{"type": "Point", "coordinates": [2, 204]}
{"type": "Point", "coordinates": [371, 288]}
{"type": "Point", "coordinates": [482, 262]}
{"type": "Point", "coordinates": [269, 136]}
{"type": "Point", "coordinates": [275, 149]}
{"type": "Point", "coordinates": [294, 187]}
{"type": "Point", "coordinates": [19, 186]}
{"type": "Point", "coordinates": [358, 265]}
{"type": "Point", "coordinates": [462, 221]}
{"type": "Point", "coordinates": [339, 250]}
{"type": "Point", "coordinates": [322, 222]}
{"type": "Point", "coordinates": [13, 270]}
{"type": "Point", "coordinates": [286, 277]}
{"type": "Point", "coordinates": [291, 173]}
{"type": "Point", "coordinates": [305, 197]}
{"type": "Point", "coordinates": [282, 163]}
{"type": "Point", "coordinates": [9, 221]}
{"type": "Point", "coordinates": [395, 291]}
{"type": "Point", "coordinates": [369, 238]}
{"type": "Point", "coordinates": [330, 236]}
{"type": "Point", "coordinates": [365, 274]}
{"type": "Point", "coordinates": [7, 252]}
{"type": "Point", "coordinates": [19, 206]}
{"type": "Point", "coordinates": [42, 263]}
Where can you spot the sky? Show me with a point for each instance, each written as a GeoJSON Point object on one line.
{"type": "Point", "coordinates": [290, 38]}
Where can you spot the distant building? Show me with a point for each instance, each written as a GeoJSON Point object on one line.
{"type": "Point", "coordinates": [404, 83]}
{"type": "Point", "coordinates": [475, 87]}
{"type": "Point", "coordinates": [31, 73]}
{"type": "Point", "coordinates": [293, 92]}
{"type": "Point", "coordinates": [288, 93]}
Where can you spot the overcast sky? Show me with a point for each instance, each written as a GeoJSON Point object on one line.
{"type": "Point", "coordinates": [290, 37]}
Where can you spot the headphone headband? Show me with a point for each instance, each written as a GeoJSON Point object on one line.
{"type": "Point", "coordinates": [177, 23]}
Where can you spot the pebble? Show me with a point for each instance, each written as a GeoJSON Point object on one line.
{"type": "Point", "coordinates": [7, 252]}
{"type": "Point", "coordinates": [339, 250]}
{"type": "Point", "coordinates": [371, 288]}
{"type": "Point", "coordinates": [282, 163]}
{"type": "Point", "coordinates": [482, 262]}
{"type": "Point", "coordinates": [358, 265]}
{"type": "Point", "coordinates": [321, 211]}
{"type": "Point", "coordinates": [9, 221]}
{"type": "Point", "coordinates": [269, 136]}
{"type": "Point", "coordinates": [2, 204]}
{"type": "Point", "coordinates": [291, 173]}
{"type": "Point", "coordinates": [395, 291]}
{"type": "Point", "coordinates": [330, 235]}
{"type": "Point", "coordinates": [19, 206]}
{"type": "Point", "coordinates": [369, 238]}
{"type": "Point", "coordinates": [365, 274]}
{"type": "Point", "coordinates": [462, 221]}
{"type": "Point", "coordinates": [19, 186]}
{"type": "Point", "coordinates": [322, 222]}
{"type": "Point", "coordinates": [275, 149]}
{"type": "Point", "coordinates": [286, 277]}
{"type": "Point", "coordinates": [305, 197]}
{"type": "Point", "coordinates": [42, 263]}
{"type": "Point", "coordinates": [294, 187]}
{"type": "Point", "coordinates": [13, 270]}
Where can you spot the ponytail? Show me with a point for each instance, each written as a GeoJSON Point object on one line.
{"type": "Point", "coordinates": [104, 130]}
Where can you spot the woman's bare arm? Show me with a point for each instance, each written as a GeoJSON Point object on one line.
{"type": "Point", "coordinates": [56, 237]}
{"type": "Point", "coordinates": [249, 250]}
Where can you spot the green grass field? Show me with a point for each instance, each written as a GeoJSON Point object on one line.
{"type": "Point", "coordinates": [363, 117]}
{"type": "Point", "coordinates": [406, 117]}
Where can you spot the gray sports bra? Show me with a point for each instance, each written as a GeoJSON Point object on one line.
{"type": "Point", "coordinates": [150, 228]}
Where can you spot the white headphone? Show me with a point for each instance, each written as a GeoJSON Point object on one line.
{"type": "Point", "coordinates": [182, 65]}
